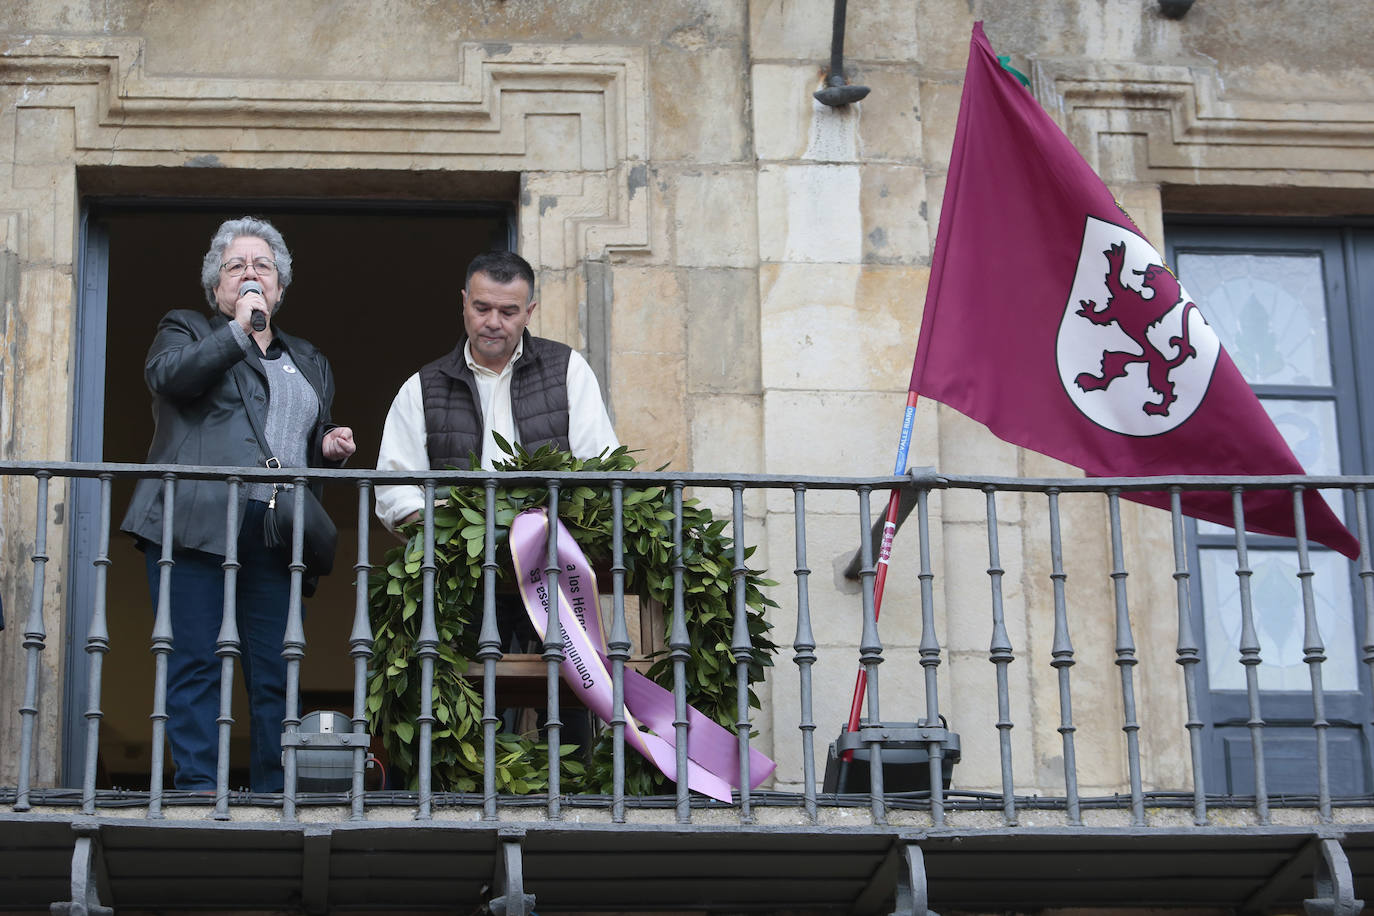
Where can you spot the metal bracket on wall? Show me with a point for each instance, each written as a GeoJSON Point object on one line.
{"type": "Point", "coordinates": [88, 876]}
{"type": "Point", "coordinates": [1334, 883]}
{"type": "Point", "coordinates": [912, 895]}
{"type": "Point", "coordinates": [901, 877]}
{"type": "Point", "coordinates": [509, 876]}
{"type": "Point", "coordinates": [315, 843]}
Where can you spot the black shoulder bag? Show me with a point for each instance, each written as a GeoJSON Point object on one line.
{"type": "Point", "coordinates": [320, 537]}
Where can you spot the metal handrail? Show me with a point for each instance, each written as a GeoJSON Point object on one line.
{"type": "Point", "coordinates": [868, 649]}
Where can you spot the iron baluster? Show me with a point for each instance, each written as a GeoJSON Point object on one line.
{"type": "Point", "coordinates": [1125, 659]}
{"type": "Point", "coordinates": [227, 647]}
{"type": "Point", "coordinates": [1000, 654]}
{"type": "Point", "coordinates": [1250, 655]}
{"type": "Point", "coordinates": [360, 648]}
{"type": "Point", "coordinates": [870, 657]}
{"type": "Point", "coordinates": [930, 660]}
{"type": "Point", "coordinates": [804, 654]}
{"type": "Point", "coordinates": [489, 651]}
{"type": "Point", "coordinates": [679, 646]}
{"type": "Point", "coordinates": [427, 650]}
{"type": "Point", "coordinates": [618, 651]}
{"type": "Point", "coordinates": [162, 647]}
{"type": "Point", "coordinates": [293, 650]}
{"type": "Point", "coordinates": [553, 657]}
{"type": "Point", "coordinates": [97, 645]}
{"type": "Point", "coordinates": [35, 639]}
{"type": "Point", "coordinates": [1313, 654]}
{"type": "Point", "coordinates": [1063, 655]}
{"type": "Point", "coordinates": [741, 647]}
{"type": "Point", "coordinates": [1188, 654]}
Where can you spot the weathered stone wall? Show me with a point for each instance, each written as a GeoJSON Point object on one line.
{"type": "Point", "coordinates": [764, 257]}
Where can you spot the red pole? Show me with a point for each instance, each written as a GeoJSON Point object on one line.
{"type": "Point", "coordinates": [894, 502]}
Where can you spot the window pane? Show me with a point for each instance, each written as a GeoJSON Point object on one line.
{"type": "Point", "coordinates": [1309, 428]}
{"type": "Point", "coordinates": [1276, 597]}
{"type": "Point", "coordinates": [1269, 311]}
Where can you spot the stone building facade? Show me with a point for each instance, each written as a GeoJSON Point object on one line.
{"type": "Point", "coordinates": [745, 266]}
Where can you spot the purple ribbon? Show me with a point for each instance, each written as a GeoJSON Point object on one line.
{"type": "Point", "coordinates": [713, 763]}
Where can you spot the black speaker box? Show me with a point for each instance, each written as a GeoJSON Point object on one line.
{"type": "Point", "coordinates": [905, 750]}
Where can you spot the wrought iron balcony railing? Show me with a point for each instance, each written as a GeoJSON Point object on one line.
{"type": "Point", "coordinates": [866, 653]}
{"type": "Point", "coordinates": [801, 790]}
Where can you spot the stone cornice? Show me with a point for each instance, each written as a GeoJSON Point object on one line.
{"type": "Point", "coordinates": [499, 115]}
{"type": "Point", "coordinates": [1163, 124]}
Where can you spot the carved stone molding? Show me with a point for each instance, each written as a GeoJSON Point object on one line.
{"type": "Point", "coordinates": [1159, 124]}
{"type": "Point", "coordinates": [572, 115]}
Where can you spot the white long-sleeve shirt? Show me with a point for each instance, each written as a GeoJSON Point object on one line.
{"type": "Point", "coordinates": [403, 437]}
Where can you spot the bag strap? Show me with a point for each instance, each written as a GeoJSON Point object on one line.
{"type": "Point", "coordinates": [200, 327]}
{"type": "Point", "coordinates": [268, 459]}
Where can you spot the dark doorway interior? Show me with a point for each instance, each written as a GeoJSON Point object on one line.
{"type": "Point", "coordinates": [376, 289]}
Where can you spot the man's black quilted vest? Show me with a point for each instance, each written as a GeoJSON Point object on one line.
{"type": "Point", "coordinates": [538, 394]}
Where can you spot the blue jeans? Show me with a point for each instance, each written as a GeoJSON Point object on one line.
{"type": "Point", "coordinates": [193, 669]}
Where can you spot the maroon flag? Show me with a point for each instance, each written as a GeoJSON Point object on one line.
{"type": "Point", "coordinates": [1052, 321]}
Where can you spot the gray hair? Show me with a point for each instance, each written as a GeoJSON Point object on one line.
{"type": "Point", "coordinates": [237, 228]}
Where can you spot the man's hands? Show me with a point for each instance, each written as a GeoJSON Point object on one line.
{"type": "Point", "coordinates": [399, 530]}
{"type": "Point", "coordinates": [338, 442]}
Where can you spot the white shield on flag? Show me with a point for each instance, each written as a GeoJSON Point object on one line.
{"type": "Point", "coordinates": [1134, 353]}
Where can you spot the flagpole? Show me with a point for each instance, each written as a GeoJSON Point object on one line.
{"type": "Point", "coordinates": [894, 503]}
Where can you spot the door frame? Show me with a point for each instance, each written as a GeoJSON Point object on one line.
{"type": "Point", "coordinates": [1348, 336]}
{"type": "Point", "coordinates": [88, 404]}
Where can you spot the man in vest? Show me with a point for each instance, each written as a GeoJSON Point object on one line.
{"type": "Point", "coordinates": [498, 379]}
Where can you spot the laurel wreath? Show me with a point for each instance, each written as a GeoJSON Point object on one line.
{"type": "Point", "coordinates": [396, 592]}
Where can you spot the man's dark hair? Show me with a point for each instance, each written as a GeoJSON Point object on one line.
{"type": "Point", "coordinates": [503, 267]}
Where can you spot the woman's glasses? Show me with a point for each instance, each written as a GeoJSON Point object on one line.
{"type": "Point", "coordinates": [237, 267]}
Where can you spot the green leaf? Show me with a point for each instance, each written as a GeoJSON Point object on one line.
{"type": "Point", "coordinates": [395, 592]}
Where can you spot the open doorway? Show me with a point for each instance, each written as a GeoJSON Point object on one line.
{"type": "Point", "coordinates": [376, 288]}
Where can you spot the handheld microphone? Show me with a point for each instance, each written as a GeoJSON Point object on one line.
{"type": "Point", "coordinates": [259, 318]}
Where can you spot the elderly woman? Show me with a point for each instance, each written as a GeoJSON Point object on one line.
{"type": "Point", "coordinates": [207, 373]}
